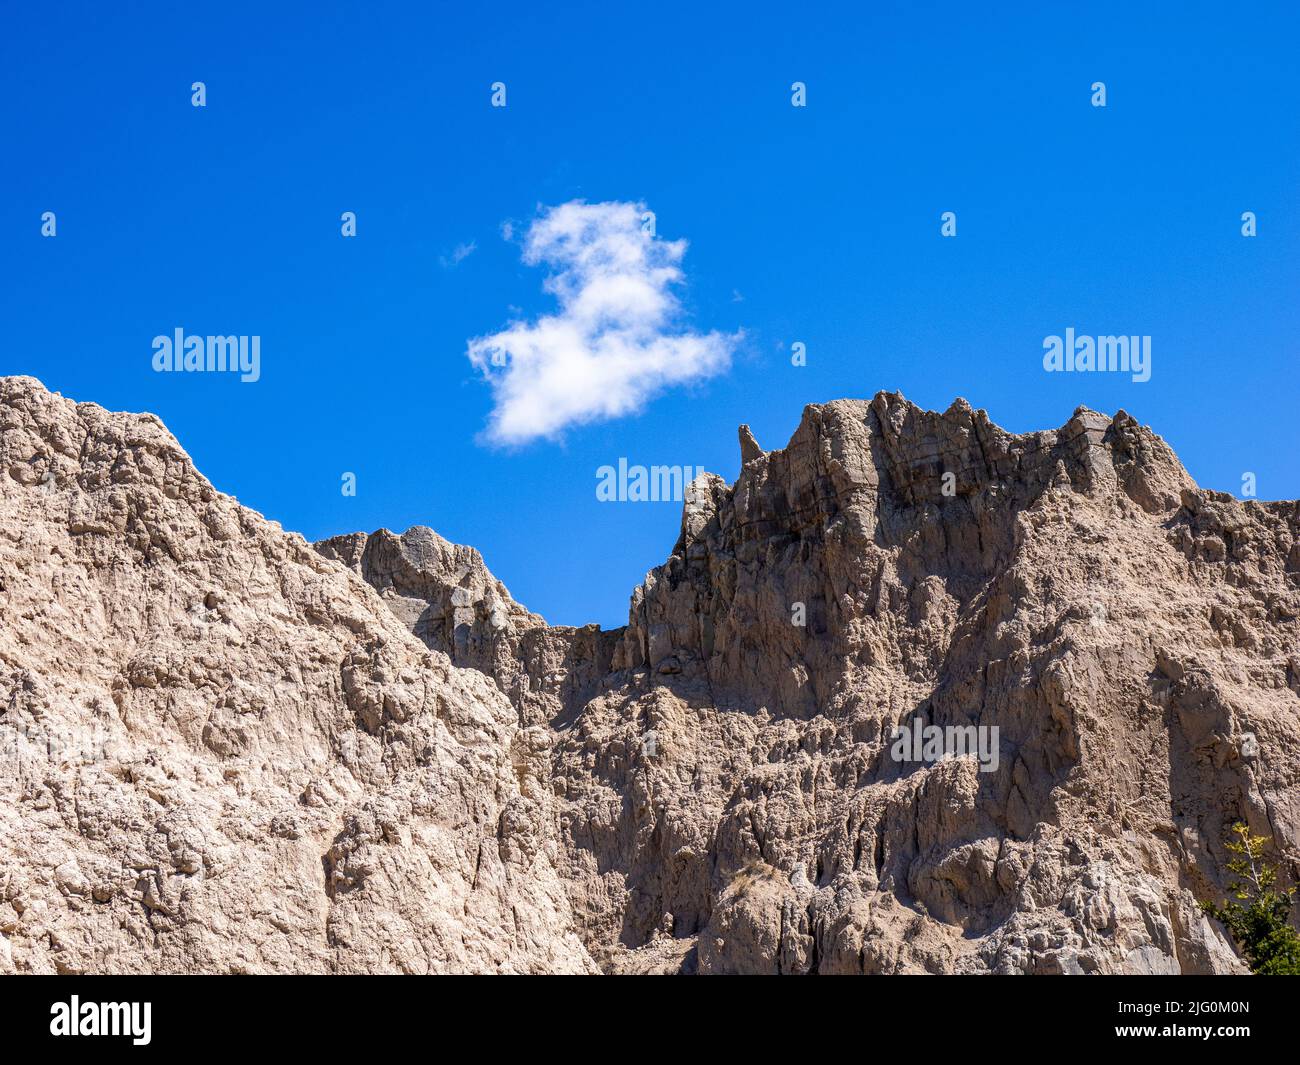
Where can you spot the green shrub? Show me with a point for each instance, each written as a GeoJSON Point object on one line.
{"type": "Point", "coordinates": [1257, 914]}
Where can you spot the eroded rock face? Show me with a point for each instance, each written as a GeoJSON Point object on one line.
{"type": "Point", "coordinates": [221, 752]}
{"type": "Point", "coordinates": [447, 597]}
{"type": "Point", "coordinates": [369, 757]}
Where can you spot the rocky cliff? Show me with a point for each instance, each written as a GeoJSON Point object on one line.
{"type": "Point", "coordinates": [225, 750]}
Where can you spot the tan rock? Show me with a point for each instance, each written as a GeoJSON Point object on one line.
{"type": "Point", "coordinates": [225, 751]}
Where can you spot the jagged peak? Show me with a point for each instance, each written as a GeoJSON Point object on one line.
{"type": "Point", "coordinates": [749, 449]}
{"type": "Point", "coordinates": [891, 441]}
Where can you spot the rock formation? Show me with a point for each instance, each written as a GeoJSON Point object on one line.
{"type": "Point", "coordinates": [224, 750]}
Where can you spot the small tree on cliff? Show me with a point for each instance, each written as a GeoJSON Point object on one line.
{"type": "Point", "coordinates": [1257, 914]}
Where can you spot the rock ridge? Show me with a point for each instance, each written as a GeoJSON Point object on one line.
{"type": "Point", "coordinates": [366, 756]}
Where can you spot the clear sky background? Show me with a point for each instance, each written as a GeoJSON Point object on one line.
{"type": "Point", "coordinates": [819, 225]}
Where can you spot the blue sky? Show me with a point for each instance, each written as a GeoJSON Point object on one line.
{"type": "Point", "coordinates": [818, 224]}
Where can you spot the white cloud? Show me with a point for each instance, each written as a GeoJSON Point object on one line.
{"type": "Point", "coordinates": [616, 340]}
{"type": "Point", "coordinates": [458, 255]}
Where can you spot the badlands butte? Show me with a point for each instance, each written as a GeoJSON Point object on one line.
{"type": "Point", "coordinates": [227, 750]}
